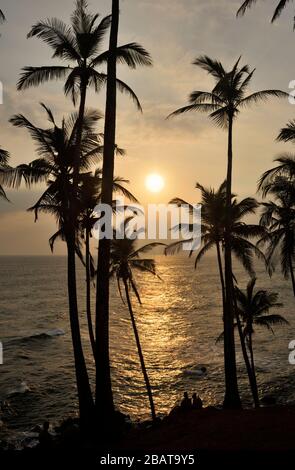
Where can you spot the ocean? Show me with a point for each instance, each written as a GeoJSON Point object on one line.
{"type": "Point", "coordinates": [178, 323]}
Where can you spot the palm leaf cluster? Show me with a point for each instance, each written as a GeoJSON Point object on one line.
{"type": "Point", "coordinates": [80, 45]}
{"type": "Point", "coordinates": [213, 226]}
{"type": "Point", "coordinates": [228, 95]}
{"type": "Point", "coordinates": [278, 214]}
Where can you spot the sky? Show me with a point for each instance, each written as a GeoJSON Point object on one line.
{"type": "Point", "coordinates": [184, 150]}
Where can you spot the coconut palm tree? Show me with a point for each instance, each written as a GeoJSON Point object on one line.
{"type": "Point", "coordinates": [55, 166]}
{"type": "Point", "coordinates": [223, 104]}
{"type": "Point", "coordinates": [281, 5]}
{"type": "Point", "coordinates": [125, 259]}
{"type": "Point", "coordinates": [253, 309]}
{"type": "Point", "coordinates": [90, 197]}
{"type": "Point", "coordinates": [104, 396]}
{"type": "Point", "coordinates": [213, 230]}
{"type": "Point", "coordinates": [79, 44]}
{"type": "Point", "coordinates": [4, 157]}
{"type": "Point", "coordinates": [278, 217]}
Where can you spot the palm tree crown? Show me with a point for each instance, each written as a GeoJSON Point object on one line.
{"type": "Point", "coordinates": [55, 164]}
{"type": "Point", "coordinates": [254, 307]}
{"type": "Point", "coordinates": [278, 217]}
{"type": "Point", "coordinates": [213, 225]}
{"type": "Point", "coordinates": [80, 44]}
{"type": "Point", "coordinates": [228, 94]}
{"type": "Point", "coordinates": [126, 258]}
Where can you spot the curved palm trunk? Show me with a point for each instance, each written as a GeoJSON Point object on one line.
{"type": "Point", "coordinates": [141, 358]}
{"type": "Point", "coordinates": [104, 395]}
{"type": "Point", "coordinates": [219, 260]}
{"type": "Point", "coordinates": [231, 398]}
{"type": "Point", "coordinates": [292, 273]}
{"type": "Point", "coordinates": [250, 371]}
{"type": "Point", "coordinates": [86, 404]}
{"type": "Point", "coordinates": [88, 293]}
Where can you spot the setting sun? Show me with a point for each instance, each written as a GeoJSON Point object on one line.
{"type": "Point", "coordinates": [154, 183]}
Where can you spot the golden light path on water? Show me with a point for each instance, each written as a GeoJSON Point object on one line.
{"type": "Point", "coordinates": [178, 324]}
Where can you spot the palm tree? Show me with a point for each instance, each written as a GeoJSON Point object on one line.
{"type": "Point", "coordinates": [79, 44]}
{"type": "Point", "coordinates": [213, 235]}
{"type": "Point", "coordinates": [90, 197]}
{"type": "Point", "coordinates": [253, 309]}
{"type": "Point", "coordinates": [278, 217]}
{"type": "Point", "coordinates": [125, 259]}
{"type": "Point", "coordinates": [223, 104]}
{"type": "Point", "coordinates": [4, 157]}
{"type": "Point", "coordinates": [278, 10]}
{"type": "Point", "coordinates": [104, 396]}
{"type": "Point", "coordinates": [213, 229]}
{"type": "Point", "coordinates": [55, 166]}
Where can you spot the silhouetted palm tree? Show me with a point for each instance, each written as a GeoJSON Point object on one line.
{"type": "Point", "coordinates": [4, 157]}
{"type": "Point", "coordinates": [125, 258]}
{"type": "Point", "coordinates": [104, 396]}
{"type": "Point", "coordinates": [253, 309]}
{"type": "Point", "coordinates": [213, 235]}
{"type": "Point", "coordinates": [55, 165]}
{"type": "Point", "coordinates": [278, 217]}
{"type": "Point", "coordinates": [223, 104]}
{"type": "Point", "coordinates": [79, 44]}
{"type": "Point", "coordinates": [213, 228]}
{"type": "Point", "coordinates": [278, 10]}
{"type": "Point", "coordinates": [90, 196]}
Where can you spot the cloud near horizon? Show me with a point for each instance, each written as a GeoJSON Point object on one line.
{"type": "Point", "coordinates": [185, 149]}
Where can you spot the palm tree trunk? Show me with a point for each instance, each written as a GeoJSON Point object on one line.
{"type": "Point", "coordinates": [219, 260]}
{"type": "Point", "coordinates": [250, 372]}
{"type": "Point", "coordinates": [292, 273]}
{"type": "Point", "coordinates": [250, 344]}
{"type": "Point", "coordinates": [104, 395]}
{"type": "Point", "coordinates": [88, 293]}
{"type": "Point", "coordinates": [141, 358]}
{"type": "Point", "coordinates": [231, 398]}
{"type": "Point", "coordinates": [83, 92]}
{"type": "Point", "coordinates": [86, 404]}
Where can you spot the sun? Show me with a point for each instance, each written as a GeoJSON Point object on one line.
{"type": "Point", "coordinates": [154, 183]}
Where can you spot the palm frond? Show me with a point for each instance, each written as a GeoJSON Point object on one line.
{"type": "Point", "coordinates": [34, 76]}
{"type": "Point", "coordinates": [131, 54]}
{"type": "Point", "coordinates": [58, 36]}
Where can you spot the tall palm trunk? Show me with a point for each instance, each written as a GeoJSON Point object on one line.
{"type": "Point", "coordinates": [220, 268]}
{"type": "Point", "coordinates": [141, 358]}
{"type": "Point", "coordinates": [88, 291]}
{"type": "Point", "coordinates": [231, 398]}
{"type": "Point", "coordinates": [292, 273]}
{"type": "Point", "coordinates": [86, 404]}
{"type": "Point", "coordinates": [250, 345]}
{"type": "Point", "coordinates": [104, 395]}
{"type": "Point", "coordinates": [242, 340]}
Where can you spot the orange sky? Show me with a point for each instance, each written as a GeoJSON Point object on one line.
{"type": "Point", "coordinates": [184, 150]}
